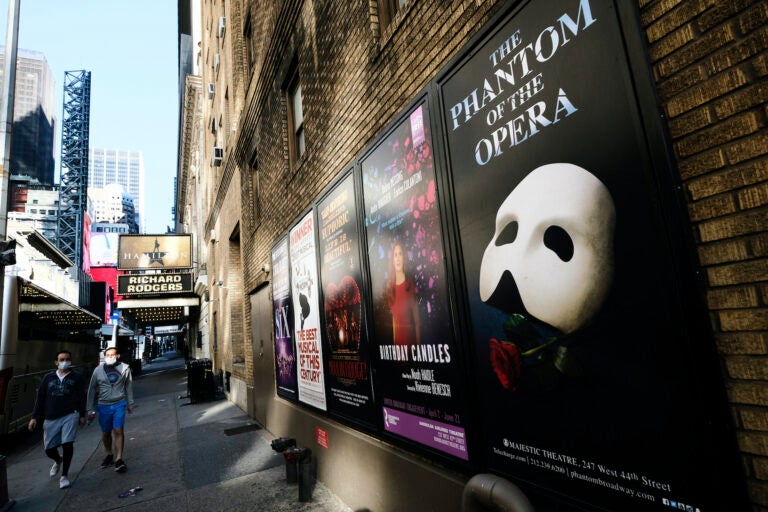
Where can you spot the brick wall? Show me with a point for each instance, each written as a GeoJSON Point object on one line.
{"type": "Point", "coordinates": [710, 61]}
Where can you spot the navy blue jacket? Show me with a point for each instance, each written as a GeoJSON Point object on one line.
{"type": "Point", "coordinates": [57, 398]}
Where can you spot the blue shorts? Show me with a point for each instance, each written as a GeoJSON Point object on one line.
{"type": "Point", "coordinates": [112, 416]}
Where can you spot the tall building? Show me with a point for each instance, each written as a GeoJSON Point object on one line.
{"type": "Point", "coordinates": [34, 121]}
{"type": "Point", "coordinates": [37, 211]}
{"type": "Point", "coordinates": [124, 167]}
{"type": "Point", "coordinates": [112, 204]}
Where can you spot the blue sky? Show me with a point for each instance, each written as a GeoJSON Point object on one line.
{"type": "Point", "coordinates": [131, 51]}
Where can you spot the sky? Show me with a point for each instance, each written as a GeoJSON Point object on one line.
{"type": "Point", "coordinates": [130, 48]}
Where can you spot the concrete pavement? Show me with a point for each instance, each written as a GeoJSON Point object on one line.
{"type": "Point", "coordinates": [207, 456]}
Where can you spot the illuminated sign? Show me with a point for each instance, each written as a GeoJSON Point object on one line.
{"type": "Point", "coordinates": [154, 284]}
{"type": "Point", "coordinates": [144, 252]}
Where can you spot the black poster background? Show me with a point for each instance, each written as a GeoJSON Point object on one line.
{"type": "Point", "coordinates": [610, 411]}
{"type": "Point", "coordinates": [344, 335]}
{"type": "Point", "coordinates": [418, 375]}
{"type": "Point", "coordinates": [285, 351]}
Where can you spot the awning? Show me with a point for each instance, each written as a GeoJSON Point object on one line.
{"type": "Point", "coordinates": [106, 331]}
{"type": "Point", "coordinates": [50, 308]}
{"type": "Point", "coordinates": [159, 310]}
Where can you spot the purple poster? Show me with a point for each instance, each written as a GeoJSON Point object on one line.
{"type": "Point", "coordinates": [285, 355]}
{"type": "Point", "coordinates": [306, 313]}
{"type": "Point", "coordinates": [419, 365]}
{"type": "Point", "coordinates": [345, 337]}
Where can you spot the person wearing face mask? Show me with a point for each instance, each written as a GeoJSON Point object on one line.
{"type": "Point", "coordinates": [61, 403]}
{"type": "Point", "coordinates": [111, 394]}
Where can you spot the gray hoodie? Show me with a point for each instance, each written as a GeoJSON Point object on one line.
{"type": "Point", "coordinates": [107, 393]}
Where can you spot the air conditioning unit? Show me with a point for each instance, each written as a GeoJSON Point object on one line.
{"type": "Point", "coordinates": [218, 155]}
{"type": "Point", "coordinates": [216, 63]}
{"type": "Point", "coordinates": [222, 25]}
{"type": "Point", "coordinates": [213, 235]}
{"type": "Point", "coordinates": [211, 90]}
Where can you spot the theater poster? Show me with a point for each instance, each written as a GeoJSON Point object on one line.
{"type": "Point", "coordinates": [419, 364]}
{"type": "Point", "coordinates": [306, 313]}
{"type": "Point", "coordinates": [348, 374]}
{"type": "Point", "coordinates": [285, 353]}
{"type": "Point", "coordinates": [589, 383]}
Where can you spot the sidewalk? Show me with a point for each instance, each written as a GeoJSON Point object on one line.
{"type": "Point", "coordinates": [207, 456]}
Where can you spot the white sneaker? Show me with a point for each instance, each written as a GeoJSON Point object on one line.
{"type": "Point", "coordinates": [54, 469]}
{"type": "Point", "coordinates": [64, 482]}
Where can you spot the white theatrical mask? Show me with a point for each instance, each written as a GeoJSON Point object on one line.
{"type": "Point", "coordinates": [554, 236]}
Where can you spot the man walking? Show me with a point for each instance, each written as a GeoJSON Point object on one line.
{"type": "Point", "coordinates": [61, 402]}
{"type": "Point", "coordinates": [111, 394]}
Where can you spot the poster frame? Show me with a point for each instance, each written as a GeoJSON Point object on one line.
{"type": "Point", "coordinates": [425, 97]}
{"type": "Point", "coordinates": [373, 426]}
{"type": "Point", "coordinates": [282, 238]}
{"type": "Point", "coordinates": [660, 170]}
{"type": "Point", "coordinates": [310, 210]}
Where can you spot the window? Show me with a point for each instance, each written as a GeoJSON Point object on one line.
{"type": "Point", "coordinates": [388, 9]}
{"type": "Point", "coordinates": [250, 44]}
{"type": "Point", "coordinates": [296, 142]}
{"type": "Point", "coordinates": [253, 193]}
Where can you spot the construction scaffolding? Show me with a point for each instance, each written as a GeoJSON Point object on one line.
{"type": "Point", "coordinates": [73, 190]}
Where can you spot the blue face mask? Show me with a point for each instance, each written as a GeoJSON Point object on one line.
{"type": "Point", "coordinates": [64, 365]}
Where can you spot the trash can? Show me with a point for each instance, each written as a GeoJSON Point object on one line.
{"type": "Point", "coordinates": [200, 383]}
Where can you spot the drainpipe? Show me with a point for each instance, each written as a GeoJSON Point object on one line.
{"type": "Point", "coordinates": [486, 492]}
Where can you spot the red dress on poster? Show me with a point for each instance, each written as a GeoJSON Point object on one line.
{"type": "Point", "coordinates": [401, 296]}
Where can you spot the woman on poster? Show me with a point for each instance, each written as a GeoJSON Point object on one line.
{"type": "Point", "coordinates": [401, 297]}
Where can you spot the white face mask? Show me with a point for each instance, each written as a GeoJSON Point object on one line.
{"type": "Point", "coordinates": [110, 360]}
{"type": "Point", "coordinates": [554, 239]}
{"type": "Point", "coordinates": [64, 365]}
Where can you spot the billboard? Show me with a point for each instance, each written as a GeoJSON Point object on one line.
{"type": "Point", "coordinates": [589, 384]}
{"type": "Point", "coordinates": [348, 373]}
{"type": "Point", "coordinates": [103, 249]}
{"type": "Point", "coordinates": [152, 252]}
{"type": "Point", "coordinates": [306, 312]}
{"type": "Point", "coordinates": [285, 350]}
{"type": "Point", "coordinates": [418, 362]}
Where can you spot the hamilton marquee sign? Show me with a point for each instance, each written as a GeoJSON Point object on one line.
{"type": "Point", "coordinates": [153, 252]}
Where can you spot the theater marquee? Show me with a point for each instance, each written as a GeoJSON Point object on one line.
{"type": "Point", "coordinates": [150, 252]}
{"type": "Point", "coordinates": [154, 284]}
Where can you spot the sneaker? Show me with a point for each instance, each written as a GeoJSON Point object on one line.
{"type": "Point", "coordinates": [64, 482]}
{"type": "Point", "coordinates": [120, 466]}
{"type": "Point", "coordinates": [107, 461]}
{"type": "Point", "coordinates": [55, 469]}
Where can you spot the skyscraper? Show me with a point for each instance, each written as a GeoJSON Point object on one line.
{"type": "Point", "coordinates": [34, 122]}
{"type": "Point", "coordinates": [126, 168]}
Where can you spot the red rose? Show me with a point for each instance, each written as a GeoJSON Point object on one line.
{"type": "Point", "coordinates": [505, 360]}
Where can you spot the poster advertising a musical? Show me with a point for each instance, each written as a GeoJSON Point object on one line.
{"type": "Point", "coordinates": [588, 381]}
{"type": "Point", "coordinates": [345, 337]}
{"type": "Point", "coordinates": [419, 364]}
{"type": "Point", "coordinates": [285, 354]}
{"type": "Point", "coordinates": [306, 313]}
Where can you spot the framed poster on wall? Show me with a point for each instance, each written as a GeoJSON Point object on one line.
{"type": "Point", "coordinates": [418, 362]}
{"type": "Point", "coordinates": [285, 350]}
{"type": "Point", "coordinates": [306, 312]}
{"type": "Point", "coordinates": [590, 385]}
{"type": "Point", "coordinates": [345, 337]}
